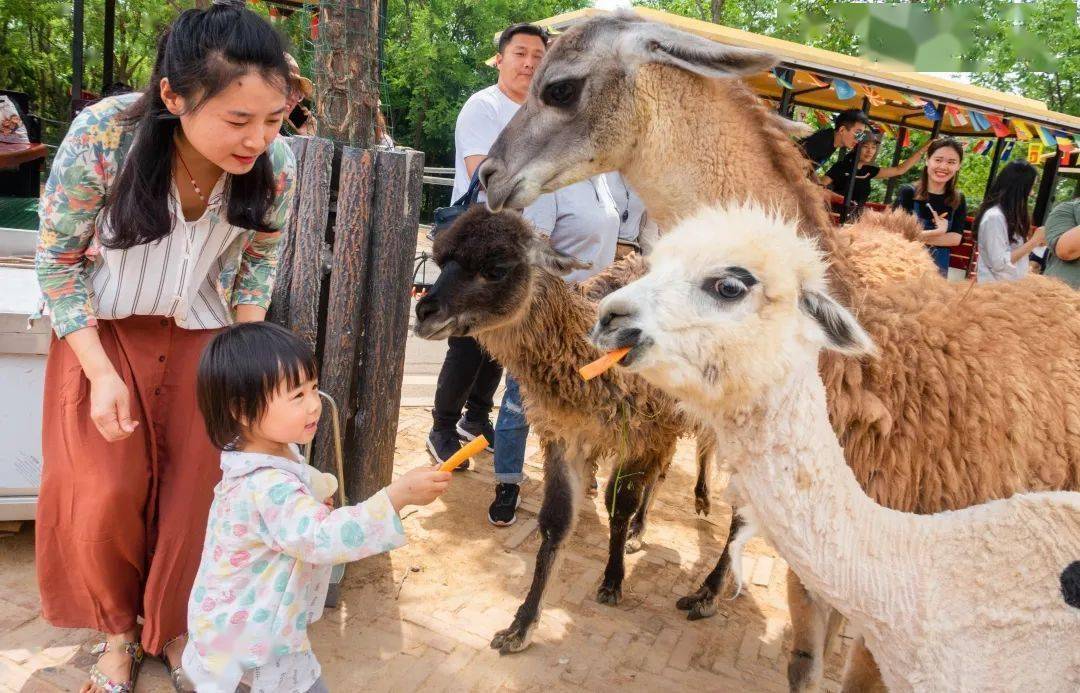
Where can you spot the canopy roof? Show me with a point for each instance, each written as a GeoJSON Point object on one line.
{"type": "Point", "coordinates": [889, 84]}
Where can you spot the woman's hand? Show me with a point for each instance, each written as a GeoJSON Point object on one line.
{"type": "Point", "coordinates": [418, 486]}
{"type": "Point", "coordinates": [110, 407]}
{"type": "Point", "coordinates": [941, 222]}
{"type": "Point", "coordinates": [1038, 236]}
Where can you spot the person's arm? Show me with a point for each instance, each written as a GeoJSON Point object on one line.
{"type": "Point", "coordinates": [259, 261]}
{"type": "Point", "coordinates": [73, 197]}
{"type": "Point", "coordinates": [943, 234]}
{"type": "Point", "coordinates": [1037, 238]}
{"type": "Point", "coordinates": [1063, 232]}
{"type": "Point", "coordinates": [905, 166]}
{"type": "Point", "coordinates": [299, 525]}
{"type": "Point", "coordinates": [475, 130]}
{"type": "Point", "coordinates": [472, 162]}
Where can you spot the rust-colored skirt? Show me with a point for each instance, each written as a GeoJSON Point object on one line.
{"type": "Point", "coordinates": [120, 525]}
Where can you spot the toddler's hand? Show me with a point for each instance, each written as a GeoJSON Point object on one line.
{"type": "Point", "coordinates": [419, 486]}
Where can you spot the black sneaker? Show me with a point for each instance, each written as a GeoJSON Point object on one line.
{"type": "Point", "coordinates": [468, 430]}
{"type": "Point", "coordinates": [442, 445]}
{"type": "Point", "coordinates": [503, 510]}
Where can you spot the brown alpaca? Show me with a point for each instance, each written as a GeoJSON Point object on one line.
{"type": "Point", "coordinates": [955, 412]}
{"type": "Point", "coordinates": [499, 283]}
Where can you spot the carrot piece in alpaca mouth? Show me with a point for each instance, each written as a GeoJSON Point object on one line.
{"type": "Point", "coordinates": [602, 364]}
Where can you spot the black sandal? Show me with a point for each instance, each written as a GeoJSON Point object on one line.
{"type": "Point", "coordinates": [180, 682]}
{"type": "Point", "coordinates": [100, 680]}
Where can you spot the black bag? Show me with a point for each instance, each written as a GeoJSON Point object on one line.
{"type": "Point", "coordinates": [445, 216]}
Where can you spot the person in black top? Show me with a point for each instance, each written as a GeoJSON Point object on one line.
{"type": "Point", "coordinates": [847, 130]}
{"type": "Point", "coordinates": [840, 173]}
{"type": "Point", "coordinates": [936, 201]}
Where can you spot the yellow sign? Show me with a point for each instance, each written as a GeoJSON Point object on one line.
{"type": "Point", "coordinates": [1034, 151]}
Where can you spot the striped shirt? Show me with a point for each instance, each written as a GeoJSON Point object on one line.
{"type": "Point", "coordinates": [196, 275]}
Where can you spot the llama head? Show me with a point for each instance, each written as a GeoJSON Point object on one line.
{"type": "Point", "coordinates": [486, 262]}
{"type": "Point", "coordinates": [733, 301]}
{"type": "Point", "coordinates": [585, 115]}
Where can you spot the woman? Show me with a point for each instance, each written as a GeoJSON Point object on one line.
{"type": "Point", "coordinates": [160, 224]}
{"type": "Point", "coordinates": [839, 174]}
{"type": "Point", "coordinates": [936, 201]}
{"type": "Point", "coordinates": [1003, 225]}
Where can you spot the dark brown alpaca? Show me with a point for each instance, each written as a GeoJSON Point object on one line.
{"type": "Point", "coordinates": [501, 284]}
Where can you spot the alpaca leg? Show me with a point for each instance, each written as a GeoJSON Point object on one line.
{"type": "Point", "coordinates": [706, 448]}
{"type": "Point", "coordinates": [558, 516]}
{"type": "Point", "coordinates": [636, 534]}
{"type": "Point", "coordinates": [861, 673]}
{"type": "Point", "coordinates": [702, 603]}
{"type": "Point", "coordinates": [622, 498]}
{"type": "Point", "coordinates": [810, 625]}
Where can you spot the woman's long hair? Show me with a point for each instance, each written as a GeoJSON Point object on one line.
{"type": "Point", "coordinates": [952, 195]}
{"type": "Point", "coordinates": [1010, 192]}
{"type": "Point", "coordinates": [201, 54]}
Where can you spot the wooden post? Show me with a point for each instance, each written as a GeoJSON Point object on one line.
{"type": "Point", "coordinates": [76, 53]}
{"type": "Point", "coordinates": [302, 257]}
{"type": "Point", "coordinates": [890, 185]}
{"type": "Point", "coordinates": [385, 294]}
{"type": "Point", "coordinates": [347, 71]}
{"type": "Point", "coordinates": [1045, 197]}
{"type": "Point", "coordinates": [344, 310]}
{"type": "Point", "coordinates": [108, 56]}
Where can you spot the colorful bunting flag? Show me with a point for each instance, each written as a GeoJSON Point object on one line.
{"type": "Point", "coordinates": [1023, 131]}
{"type": "Point", "coordinates": [1034, 152]}
{"type": "Point", "coordinates": [887, 129]}
{"type": "Point", "coordinates": [784, 75]}
{"type": "Point", "coordinates": [979, 120]}
{"type": "Point", "coordinates": [913, 100]}
{"type": "Point", "coordinates": [1006, 151]}
{"type": "Point", "coordinates": [905, 139]}
{"type": "Point", "coordinates": [930, 111]}
{"type": "Point", "coordinates": [822, 119]}
{"type": "Point", "coordinates": [956, 116]}
{"type": "Point", "coordinates": [1047, 139]}
{"type": "Point", "coordinates": [843, 89]}
{"type": "Point", "coordinates": [999, 126]}
{"type": "Point", "coordinates": [817, 80]}
{"type": "Point", "coordinates": [872, 95]}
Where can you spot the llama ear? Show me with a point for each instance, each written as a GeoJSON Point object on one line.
{"type": "Point", "coordinates": [656, 43]}
{"type": "Point", "coordinates": [842, 331]}
{"type": "Point", "coordinates": [542, 255]}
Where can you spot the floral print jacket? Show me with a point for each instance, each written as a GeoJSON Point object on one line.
{"type": "Point", "coordinates": [69, 250]}
{"type": "Point", "coordinates": [270, 546]}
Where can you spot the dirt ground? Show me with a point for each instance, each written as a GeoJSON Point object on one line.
{"type": "Point", "coordinates": [422, 616]}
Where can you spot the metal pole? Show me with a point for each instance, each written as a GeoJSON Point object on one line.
{"type": "Point", "coordinates": [998, 146]}
{"type": "Point", "coordinates": [890, 185]}
{"type": "Point", "coordinates": [936, 130]}
{"type": "Point", "coordinates": [76, 52]}
{"type": "Point", "coordinates": [785, 108]}
{"type": "Point", "coordinates": [108, 56]}
{"type": "Point", "coordinates": [1046, 189]}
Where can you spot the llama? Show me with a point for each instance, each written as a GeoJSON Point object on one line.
{"type": "Point", "coordinates": [501, 283]}
{"type": "Point", "coordinates": [924, 426]}
{"type": "Point", "coordinates": [730, 323]}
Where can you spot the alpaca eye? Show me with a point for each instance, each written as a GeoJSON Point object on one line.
{"type": "Point", "coordinates": [563, 93]}
{"type": "Point", "coordinates": [729, 288]}
{"type": "Point", "coordinates": [496, 274]}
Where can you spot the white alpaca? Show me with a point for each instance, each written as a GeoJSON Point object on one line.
{"type": "Point", "coordinates": [730, 320]}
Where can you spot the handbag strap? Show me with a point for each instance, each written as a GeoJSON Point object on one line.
{"type": "Point", "coordinates": [469, 198]}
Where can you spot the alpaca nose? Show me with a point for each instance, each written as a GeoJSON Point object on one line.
{"type": "Point", "coordinates": [425, 308]}
{"type": "Point", "coordinates": [613, 311]}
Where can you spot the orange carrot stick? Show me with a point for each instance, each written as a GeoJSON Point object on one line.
{"type": "Point", "coordinates": [468, 450]}
{"type": "Point", "coordinates": [590, 371]}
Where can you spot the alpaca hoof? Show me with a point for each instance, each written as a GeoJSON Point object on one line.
{"type": "Point", "coordinates": [698, 605]}
{"type": "Point", "coordinates": [511, 640]}
{"type": "Point", "coordinates": [802, 673]}
{"type": "Point", "coordinates": [609, 594]}
{"type": "Point", "coordinates": [702, 505]}
{"type": "Point", "coordinates": [633, 545]}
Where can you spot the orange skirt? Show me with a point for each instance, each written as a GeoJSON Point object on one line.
{"type": "Point", "coordinates": [120, 526]}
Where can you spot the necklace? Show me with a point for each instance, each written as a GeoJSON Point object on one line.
{"type": "Point", "coordinates": [198, 190]}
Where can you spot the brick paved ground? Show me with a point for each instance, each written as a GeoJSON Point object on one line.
{"type": "Point", "coordinates": [422, 616]}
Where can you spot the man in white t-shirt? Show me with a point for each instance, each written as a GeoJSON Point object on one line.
{"type": "Point", "coordinates": [469, 376]}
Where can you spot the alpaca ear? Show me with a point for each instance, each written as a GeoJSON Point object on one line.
{"type": "Point", "coordinates": [842, 331]}
{"type": "Point", "coordinates": [542, 255]}
{"type": "Point", "coordinates": [656, 43]}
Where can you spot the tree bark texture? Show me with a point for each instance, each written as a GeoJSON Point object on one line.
{"type": "Point", "coordinates": [347, 71]}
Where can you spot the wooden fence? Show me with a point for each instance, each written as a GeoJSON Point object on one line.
{"type": "Point", "coordinates": [343, 285]}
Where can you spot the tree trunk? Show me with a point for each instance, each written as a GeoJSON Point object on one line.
{"type": "Point", "coordinates": [347, 71]}
{"type": "Point", "coordinates": [717, 11]}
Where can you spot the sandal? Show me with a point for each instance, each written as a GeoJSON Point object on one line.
{"type": "Point", "coordinates": [131, 649]}
{"type": "Point", "coordinates": [180, 682]}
